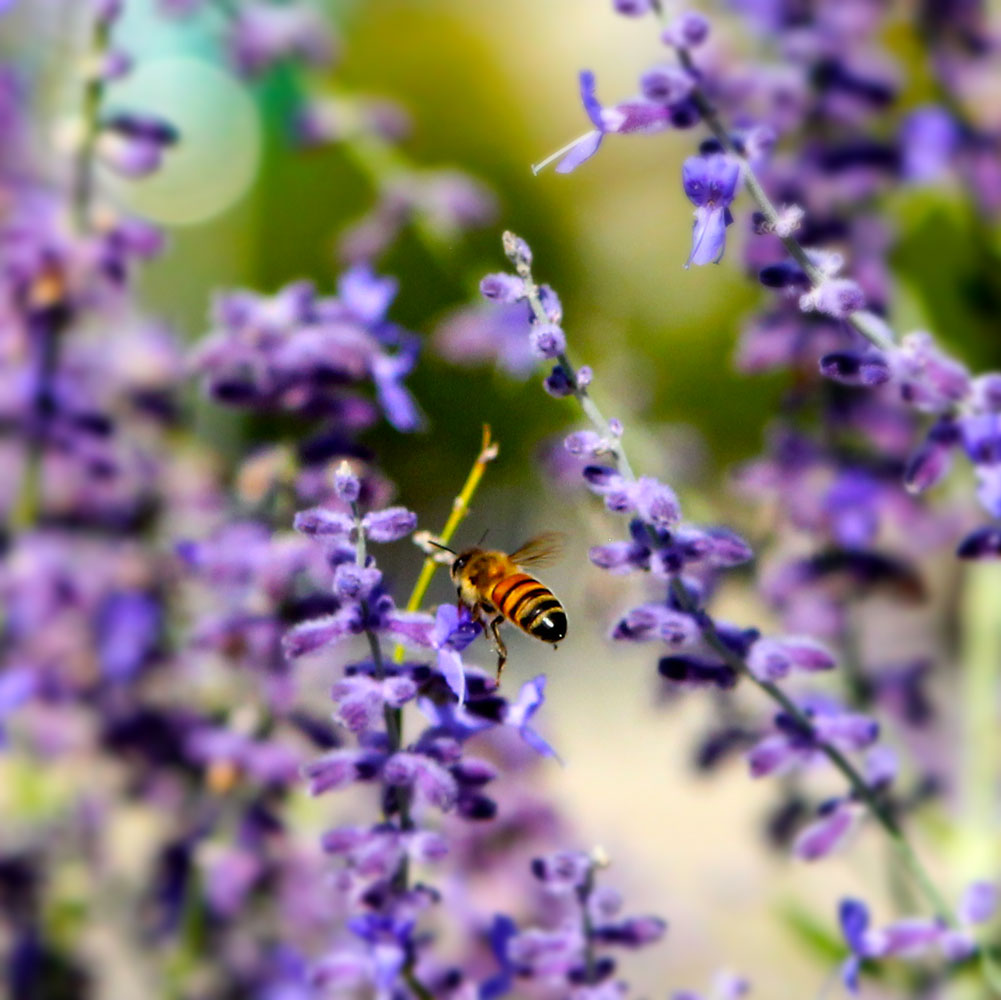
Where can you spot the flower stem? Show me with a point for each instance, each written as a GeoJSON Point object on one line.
{"type": "Point", "coordinates": [83, 171]}
{"type": "Point", "coordinates": [460, 508]}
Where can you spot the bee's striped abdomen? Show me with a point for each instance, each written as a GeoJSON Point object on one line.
{"type": "Point", "coordinates": [531, 605]}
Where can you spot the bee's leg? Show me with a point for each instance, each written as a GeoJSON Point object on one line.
{"type": "Point", "coordinates": [501, 648]}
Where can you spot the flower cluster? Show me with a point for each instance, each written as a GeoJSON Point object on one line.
{"type": "Point", "coordinates": [573, 956]}
{"type": "Point", "coordinates": [913, 937]}
{"type": "Point", "coordinates": [431, 773]}
{"type": "Point", "coordinates": [810, 728]}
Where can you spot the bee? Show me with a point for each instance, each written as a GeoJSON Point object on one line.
{"type": "Point", "coordinates": [494, 583]}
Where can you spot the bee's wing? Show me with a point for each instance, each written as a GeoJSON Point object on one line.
{"type": "Point", "coordinates": [540, 550]}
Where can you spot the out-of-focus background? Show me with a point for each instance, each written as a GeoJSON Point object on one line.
{"type": "Point", "coordinates": [491, 87]}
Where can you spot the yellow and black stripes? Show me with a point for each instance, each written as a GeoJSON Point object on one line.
{"type": "Point", "coordinates": [531, 606]}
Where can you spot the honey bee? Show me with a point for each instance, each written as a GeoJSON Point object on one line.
{"type": "Point", "coordinates": [494, 583]}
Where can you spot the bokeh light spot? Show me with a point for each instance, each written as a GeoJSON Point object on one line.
{"type": "Point", "coordinates": [217, 157]}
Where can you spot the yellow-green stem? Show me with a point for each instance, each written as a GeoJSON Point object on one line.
{"type": "Point", "coordinates": [460, 508]}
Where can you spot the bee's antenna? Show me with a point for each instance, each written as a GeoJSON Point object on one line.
{"type": "Point", "coordinates": [444, 548]}
{"type": "Point", "coordinates": [483, 537]}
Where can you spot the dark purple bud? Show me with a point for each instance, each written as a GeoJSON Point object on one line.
{"type": "Point", "coordinates": [785, 274]}
{"type": "Point", "coordinates": [563, 870]}
{"type": "Point", "coordinates": [633, 933]}
{"type": "Point", "coordinates": [476, 807]}
{"type": "Point", "coordinates": [145, 128]}
{"type": "Point", "coordinates": [557, 383]}
{"type": "Point", "coordinates": [984, 543]}
{"type": "Point", "coordinates": [851, 368]}
{"type": "Point", "coordinates": [685, 113]}
{"type": "Point", "coordinates": [690, 671]}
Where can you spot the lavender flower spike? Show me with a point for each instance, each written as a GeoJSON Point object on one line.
{"type": "Point", "coordinates": [710, 182]}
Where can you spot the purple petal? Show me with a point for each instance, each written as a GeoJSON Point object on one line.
{"type": "Point", "coordinates": [910, 938]}
{"type": "Point", "coordinates": [826, 834]}
{"type": "Point", "coordinates": [853, 915]}
{"type": "Point", "coordinates": [770, 755]}
{"type": "Point", "coordinates": [708, 236]}
{"type": "Point", "coordinates": [978, 903]}
{"type": "Point", "coordinates": [320, 521]}
{"type": "Point", "coordinates": [591, 104]}
{"type": "Point", "coordinates": [846, 730]}
{"type": "Point", "coordinates": [530, 698]}
{"type": "Point", "coordinates": [318, 632]}
{"type": "Point", "coordinates": [389, 525]}
{"type": "Point", "coordinates": [411, 626]}
{"type": "Point", "coordinates": [451, 667]}
{"type": "Point", "coordinates": [366, 294]}
{"type": "Point", "coordinates": [582, 150]}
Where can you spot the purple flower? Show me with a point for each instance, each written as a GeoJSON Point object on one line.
{"type": "Point", "coordinates": [795, 744]}
{"type": "Point", "coordinates": [710, 182]}
{"type": "Point", "coordinates": [688, 30]}
{"type": "Point", "coordinates": [133, 144]}
{"type": "Point", "coordinates": [837, 821]}
{"type": "Point", "coordinates": [346, 484]}
{"type": "Point", "coordinates": [978, 903]}
{"type": "Point", "coordinates": [666, 85]}
{"type": "Point", "coordinates": [629, 116]}
{"type": "Point", "coordinates": [837, 297]}
{"type": "Point", "coordinates": [929, 380]}
{"type": "Point", "coordinates": [929, 138]}
{"type": "Point", "coordinates": [657, 621]}
{"type": "Point", "coordinates": [519, 714]}
{"type": "Point", "coordinates": [632, 8]}
{"type": "Point", "coordinates": [548, 340]}
{"type": "Point", "coordinates": [503, 288]}
{"type": "Point", "coordinates": [855, 368]}
{"type": "Point", "coordinates": [264, 33]}
{"type": "Point", "coordinates": [365, 295]}
{"type": "Point", "coordinates": [128, 628]}
{"type": "Point", "coordinates": [773, 659]}
{"type": "Point", "coordinates": [388, 525]}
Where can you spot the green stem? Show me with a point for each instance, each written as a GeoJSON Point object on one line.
{"type": "Point", "coordinates": [83, 173]}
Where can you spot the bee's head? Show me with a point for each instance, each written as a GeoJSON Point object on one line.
{"type": "Point", "coordinates": [460, 561]}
